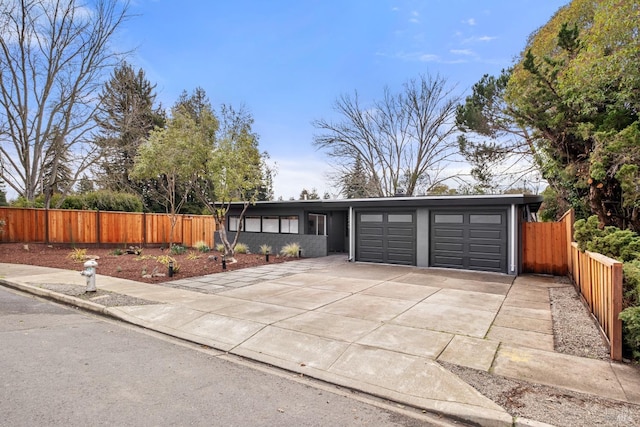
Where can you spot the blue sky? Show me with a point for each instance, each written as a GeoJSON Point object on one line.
{"type": "Point", "coordinates": [288, 60]}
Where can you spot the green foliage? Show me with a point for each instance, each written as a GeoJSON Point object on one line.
{"type": "Point", "coordinates": [631, 329]}
{"type": "Point", "coordinates": [178, 249]}
{"type": "Point", "coordinates": [77, 255]}
{"type": "Point", "coordinates": [117, 252]}
{"type": "Point", "coordinates": [125, 118]}
{"type": "Point", "coordinates": [193, 256]}
{"type": "Point", "coordinates": [220, 247]}
{"type": "Point", "coordinates": [631, 272]}
{"type": "Point", "coordinates": [623, 245]}
{"type": "Point", "coordinates": [166, 259]}
{"type": "Point", "coordinates": [103, 200]}
{"type": "Point", "coordinates": [241, 248]}
{"type": "Point", "coordinates": [265, 249]}
{"type": "Point", "coordinates": [291, 250]}
{"type": "Point", "coordinates": [309, 195]}
{"type": "Point", "coordinates": [575, 88]}
{"type": "Point", "coordinates": [202, 246]}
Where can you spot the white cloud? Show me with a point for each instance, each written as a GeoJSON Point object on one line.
{"type": "Point", "coordinates": [414, 17]}
{"type": "Point", "coordinates": [465, 52]}
{"type": "Point", "coordinates": [478, 39]}
{"type": "Point", "coordinates": [470, 21]}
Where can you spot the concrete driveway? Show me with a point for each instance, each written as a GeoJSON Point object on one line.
{"type": "Point", "coordinates": [377, 328]}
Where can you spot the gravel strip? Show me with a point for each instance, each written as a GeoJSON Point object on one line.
{"type": "Point", "coordinates": [102, 297]}
{"type": "Point", "coordinates": [558, 407]}
{"type": "Point", "coordinates": [575, 331]}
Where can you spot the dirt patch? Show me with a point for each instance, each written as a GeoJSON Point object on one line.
{"type": "Point", "coordinates": [130, 266]}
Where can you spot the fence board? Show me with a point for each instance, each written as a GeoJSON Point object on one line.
{"type": "Point", "coordinates": [544, 248]}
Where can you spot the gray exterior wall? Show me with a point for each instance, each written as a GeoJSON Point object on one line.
{"type": "Point", "coordinates": [422, 237]}
{"type": "Point", "coordinates": [312, 246]}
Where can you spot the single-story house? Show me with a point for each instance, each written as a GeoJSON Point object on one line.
{"type": "Point", "coordinates": [463, 232]}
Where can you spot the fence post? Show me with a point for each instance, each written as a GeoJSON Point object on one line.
{"type": "Point", "coordinates": [616, 324]}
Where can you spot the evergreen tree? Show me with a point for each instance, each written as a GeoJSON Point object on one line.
{"type": "Point", "coordinates": [125, 119]}
{"type": "Point", "coordinates": [356, 184]}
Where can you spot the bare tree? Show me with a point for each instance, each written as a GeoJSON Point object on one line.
{"type": "Point", "coordinates": [404, 141]}
{"type": "Point", "coordinates": [53, 57]}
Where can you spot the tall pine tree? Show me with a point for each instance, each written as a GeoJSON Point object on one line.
{"type": "Point", "coordinates": [126, 117]}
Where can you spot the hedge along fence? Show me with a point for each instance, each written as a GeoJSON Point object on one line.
{"type": "Point", "coordinates": [97, 227]}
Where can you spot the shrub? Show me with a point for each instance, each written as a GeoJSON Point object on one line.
{"type": "Point", "coordinates": [220, 247]}
{"type": "Point", "coordinates": [241, 248]}
{"type": "Point", "coordinates": [166, 259]}
{"type": "Point", "coordinates": [631, 274]}
{"type": "Point", "coordinates": [264, 249]}
{"type": "Point", "coordinates": [291, 250]}
{"type": "Point", "coordinates": [178, 249]}
{"type": "Point", "coordinates": [201, 246]}
{"type": "Point", "coordinates": [78, 255]}
{"type": "Point", "coordinates": [631, 329]}
{"type": "Point", "coordinates": [117, 252]}
{"type": "Point", "coordinates": [623, 245]}
{"type": "Point", "coordinates": [192, 256]}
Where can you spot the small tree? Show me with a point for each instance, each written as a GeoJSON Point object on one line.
{"type": "Point", "coordinates": [168, 157]}
{"type": "Point", "coordinates": [230, 170]}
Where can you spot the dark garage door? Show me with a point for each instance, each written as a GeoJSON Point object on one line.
{"type": "Point", "coordinates": [469, 240]}
{"type": "Point", "coordinates": [387, 237]}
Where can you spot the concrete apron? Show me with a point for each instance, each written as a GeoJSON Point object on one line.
{"type": "Point", "coordinates": [379, 329]}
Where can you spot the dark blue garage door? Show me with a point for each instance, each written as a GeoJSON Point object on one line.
{"type": "Point", "coordinates": [469, 240]}
{"type": "Point", "coordinates": [386, 237]}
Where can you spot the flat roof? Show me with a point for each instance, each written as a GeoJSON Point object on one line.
{"type": "Point", "coordinates": [403, 201]}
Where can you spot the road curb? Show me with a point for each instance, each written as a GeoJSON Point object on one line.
{"type": "Point", "coordinates": [56, 296]}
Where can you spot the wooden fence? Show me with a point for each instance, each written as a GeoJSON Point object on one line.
{"type": "Point", "coordinates": [548, 248]}
{"type": "Point", "coordinates": [109, 228]}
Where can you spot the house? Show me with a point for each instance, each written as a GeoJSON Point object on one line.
{"type": "Point", "coordinates": [463, 232]}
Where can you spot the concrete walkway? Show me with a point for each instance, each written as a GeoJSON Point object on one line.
{"type": "Point", "coordinates": [376, 328]}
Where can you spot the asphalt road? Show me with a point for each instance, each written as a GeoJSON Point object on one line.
{"type": "Point", "coordinates": [61, 366]}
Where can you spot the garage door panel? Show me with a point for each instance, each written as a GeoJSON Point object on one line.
{"type": "Point", "coordinates": [399, 244]}
{"type": "Point", "coordinates": [374, 231]}
{"type": "Point", "coordinates": [485, 264]}
{"type": "Point", "coordinates": [448, 261]}
{"type": "Point", "coordinates": [448, 247]}
{"type": "Point", "coordinates": [447, 232]}
{"type": "Point", "coordinates": [405, 232]}
{"type": "Point", "coordinates": [485, 234]}
{"type": "Point", "coordinates": [485, 249]}
{"type": "Point", "coordinates": [396, 258]}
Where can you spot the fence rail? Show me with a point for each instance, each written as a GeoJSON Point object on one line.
{"type": "Point", "coordinates": [96, 227]}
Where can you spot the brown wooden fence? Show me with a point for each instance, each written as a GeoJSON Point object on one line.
{"type": "Point", "coordinates": [548, 248]}
{"type": "Point", "coordinates": [599, 280]}
{"type": "Point", "coordinates": [95, 227]}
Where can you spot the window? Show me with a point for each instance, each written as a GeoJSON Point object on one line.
{"type": "Point", "coordinates": [448, 219]}
{"type": "Point", "coordinates": [400, 218]}
{"type": "Point", "coordinates": [234, 221]}
{"type": "Point", "coordinates": [252, 223]}
{"type": "Point", "coordinates": [289, 224]}
{"type": "Point", "coordinates": [317, 224]}
{"type": "Point", "coordinates": [485, 219]}
{"type": "Point", "coordinates": [371, 218]}
{"type": "Point", "coordinates": [270, 224]}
